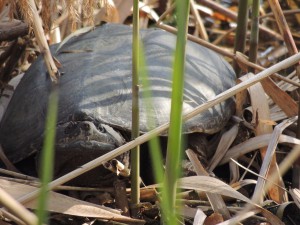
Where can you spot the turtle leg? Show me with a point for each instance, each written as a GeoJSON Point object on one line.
{"type": "Point", "coordinates": [199, 144]}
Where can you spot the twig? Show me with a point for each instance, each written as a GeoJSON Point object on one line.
{"type": "Point", "coordinates": [42, 42]}
{"type": "Point", "coordinates": [16, 208]}
{"type": "Point", "coordinates": [243, 59]}
{"type": "Point", "coordinates": [10, 30]}
{"type": "Point", "coordinates": [18, 175]}
{"type": "Point", "coordinates": [256, 174]}
{"type": "Point", "coordinates": [233, 15]}
{"type": "Point", "coordinates": [285, 12]}
{"type": "Point", "coordinates": [198, 21]}
{"type": "Point", "coordinates": [283, 27]}
{"type": "Point", "coordinates": [11, 217]}
{"type": "Point", "coordinates": [9, 165]}
{"type": "Point", "coordinates": [221, 37]}
{"type": "Point", "coordinates": [169, 10]}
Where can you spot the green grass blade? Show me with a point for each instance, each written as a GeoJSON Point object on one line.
{"type": "Point", "coordinates": [47, 156]}
{"type": "Point", "coordinates": [154, 145]}
{"type": "Point", "coordinates": [175, 131]}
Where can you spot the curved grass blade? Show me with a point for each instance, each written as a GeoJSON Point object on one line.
{"type": "Point", "coordinates": [154, 145]}
{"type": "Point", "coordinates": [47, 155]}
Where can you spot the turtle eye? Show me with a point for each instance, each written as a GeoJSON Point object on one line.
{"type": "Point", "coordinates": [85, 126]}
{"type": "Point", "coordinates": [70, 128]}
{"type": "Point", "coordinates": [101, 129]}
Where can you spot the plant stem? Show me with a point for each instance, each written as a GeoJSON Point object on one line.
{"type": "Point", "coordinates": [135, 152]}
{"type": "Point", "coordinates": [175, 131]}
{"type": "Point", "coordinates": [47, 156]}
{"type": "Point", "coordinates": [241, 31]}
{"type": "Point", "coordinates": [254, 33]}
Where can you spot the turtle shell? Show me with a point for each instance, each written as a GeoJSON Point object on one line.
{"type": "Point", "coordinates": [96, 80]}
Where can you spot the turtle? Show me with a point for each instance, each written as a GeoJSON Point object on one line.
{"type": "Point", "coordinates": [95, 99]}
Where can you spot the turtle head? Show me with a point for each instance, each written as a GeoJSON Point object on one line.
{"type": "Point", "coordinates": [83, 129]}
{"type": "Point", "coordinates": [81, 140]}
{"type": "Point", "coordinates": [88, 134]}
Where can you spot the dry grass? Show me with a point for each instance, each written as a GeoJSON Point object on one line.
{"type": "Point", "coordinates": [269, 92]}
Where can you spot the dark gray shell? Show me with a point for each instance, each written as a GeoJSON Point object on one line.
{"type": "Point", "coordinates": [96, 68]}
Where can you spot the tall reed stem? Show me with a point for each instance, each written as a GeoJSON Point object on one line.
{"type": "Point", "coordinates": [241, 31]}
{"type": "Point", "coordinates": [254, 33]}
{"type": "Point", "coordinates": [135, 152]}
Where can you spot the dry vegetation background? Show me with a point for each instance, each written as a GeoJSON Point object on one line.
{"type": "Point", "coordinates": [263, 136]}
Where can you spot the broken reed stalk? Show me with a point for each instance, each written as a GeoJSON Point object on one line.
{"type": "Point", "coordinates": [42, 42]}
{"type": "Point", "coordinates": [155, 132]}
{"type": "Point", "coordinates": [283, 27]}
{"type": "Point", "coordinates": [17, 209]}
{"type": "Point", "coordinates": [198, 21]}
